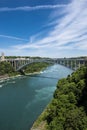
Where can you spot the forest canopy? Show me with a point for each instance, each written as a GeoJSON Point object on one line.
{"type": "Point", "coordinates": [68, 108]}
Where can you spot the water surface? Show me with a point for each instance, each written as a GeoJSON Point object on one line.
{"type": "Point", "coordinates": [22, 99]}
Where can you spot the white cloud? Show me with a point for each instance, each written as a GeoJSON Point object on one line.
{"type": "Point", "coordinates": [31, 8]}
{"type": "Point", "coordinates": [68, 36]}
{"type": "Point", "coordinates": [12, 37]}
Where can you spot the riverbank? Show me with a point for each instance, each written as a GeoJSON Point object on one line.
{"type": "Point", "coordinates": [35, 68]}
{"type": "Point", "coordinates": [6, 76]}
{"type": "Point", "coordinates": [68, 108]}
{"type": "Point", "coordinates": [40, 123]}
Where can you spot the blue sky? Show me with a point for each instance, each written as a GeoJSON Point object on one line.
{"type": "Point", "coordinates": [47, 28]}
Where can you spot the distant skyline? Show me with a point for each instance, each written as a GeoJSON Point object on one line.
{"type": "Point", "coordinates": [46, 28]}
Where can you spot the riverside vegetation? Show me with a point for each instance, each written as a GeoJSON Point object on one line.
{"type": "Point", "coordinates": [68, 108]}
{"type": "Point", "coordinates": [7, 69]}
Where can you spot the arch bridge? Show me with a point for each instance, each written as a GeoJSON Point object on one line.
{"type": "Point", "coordinates": [19, 64]}
{"type": "Point", "coordinates": [73, 63]}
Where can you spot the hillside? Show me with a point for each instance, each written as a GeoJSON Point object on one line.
{"type": "Point", "coordinates": [68, 109]}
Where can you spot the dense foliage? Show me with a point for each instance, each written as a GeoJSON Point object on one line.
{"type": "Point", "coordinates": [6, 68]}
{"type": "Point", "coordinates": [35, 67]}
{"type": "Point", "coordinates": [68, 109]}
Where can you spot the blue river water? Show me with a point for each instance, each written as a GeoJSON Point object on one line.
{"type": "Point", "coordinates": [22, 99]}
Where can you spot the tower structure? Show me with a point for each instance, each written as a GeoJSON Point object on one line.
{"type": "Point", "coordinates": [2, 57]}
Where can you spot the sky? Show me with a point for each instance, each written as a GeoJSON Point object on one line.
{"type": "Point", "coordinates": [46, 28]}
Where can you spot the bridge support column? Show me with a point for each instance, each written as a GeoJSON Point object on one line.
{"type": "Point", "coordinates": [71, 64]}
{"type": "Point", "coordinates": [12, 63]}
{"type": "Point", "coordinates": [79, 64]}
{"type": "Point", "coordinates": [75, 65]}
{"type": "Point", "coordinates": [67, 63]}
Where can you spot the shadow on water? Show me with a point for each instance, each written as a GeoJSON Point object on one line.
{"type": "Point", "coordinates": [37, 76]}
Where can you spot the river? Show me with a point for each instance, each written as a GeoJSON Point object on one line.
{"type": "Point", "coordinates": [22, 99]}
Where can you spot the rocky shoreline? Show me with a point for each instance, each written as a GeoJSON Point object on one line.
{"type": "Point", "coordinates": [6, 76]}
{"type": "Point", "coordinates": [3, 77]}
